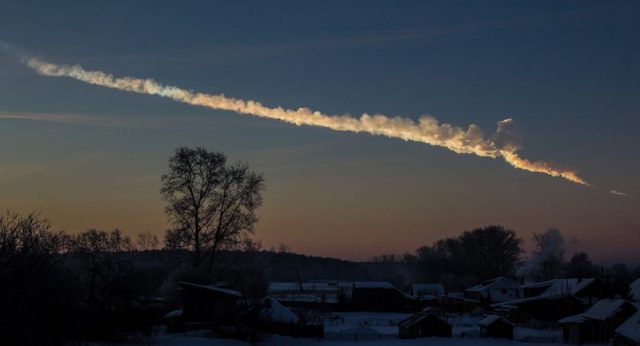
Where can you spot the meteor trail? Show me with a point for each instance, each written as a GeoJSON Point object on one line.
{"type": "Point", "coordinates": [427, 129]}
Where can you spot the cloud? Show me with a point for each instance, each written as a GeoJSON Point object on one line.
{"type": "Point", "coordinates": [73, 119]}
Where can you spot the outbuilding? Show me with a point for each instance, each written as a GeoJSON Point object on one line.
{"type": "Point", "coordinates": [495, 326]}
{"type": "Point", "coordinates": [423, 324]}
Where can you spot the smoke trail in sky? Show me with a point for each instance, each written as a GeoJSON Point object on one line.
{"type": "Point", "coordinates": [503, 143]}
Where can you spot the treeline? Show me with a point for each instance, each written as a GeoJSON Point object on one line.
{"type": "Point", "coordinates": [492, 251]}
{"type": "Point", "coordinates": [105, 285]}
{"type": "Point", "coordinates": [57, 287]}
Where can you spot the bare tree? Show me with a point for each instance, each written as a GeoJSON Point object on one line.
{"type": "Point", "coordinates": [147, 242]}
{"type": "Point", "coordinates": [211, 204]}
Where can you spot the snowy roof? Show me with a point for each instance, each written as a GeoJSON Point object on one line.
{"type": "Point", "coordinates": [602, 310]}
{"type": "Point", "coordinates": [372, 284]}
{"type": "Point", "coordinates": [630, 329]}
{"type": "Point", "coordinates": [605, 308]}
{"type": "Point", "coordinates": [531, 299]}
{"type": "Point", "coordinates": [561, 286]}
{"type": "Point", "coordinates": [634, 290]}
{"type": "Point", "coordinates": [174, 313]}
{"type": "Point", "coordinates": [490, 319]}
{"type": "Point", "coordinates": [488, 284]}
{"type": "Point", "coordinates": [213, 288]}
{"type": "Point", "coordinates": [277, 312]}
{"type": "Point", "coordinates": [427, 289]}
{"type": "Point", "coordinates": [579, 318]}
{"type": "Point", "coordinates": [417, 317]}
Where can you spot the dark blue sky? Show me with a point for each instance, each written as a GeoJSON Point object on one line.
{"type": "Point", "coordinates": [567, 73]}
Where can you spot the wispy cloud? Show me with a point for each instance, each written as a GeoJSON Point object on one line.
{"type": "Point", "coordinates": [72, 119]}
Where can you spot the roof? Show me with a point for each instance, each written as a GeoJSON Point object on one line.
{"type": "Point", "coordinates": [602, 310]}
{"type": "Point", "coordinates": [488, 284]}
{"type": "Point", "coordinates": [533, 299]}
{"type": "Point", "coordinates": [417, 317]}
{"type": "Point", "coordinates": [561, 286]}
{"type": "Point", "coordinates": [605, 308]}
{"type": "Point", "coordinates": [213, 288]}
{"type": "Point", "coordinates": [630, 329]}
{"type": "Point", "coordinates": [490, 319]}
{"type": "Point", "coordinates": [174, 314]}
{"type": "Point", "coordinates": [634, 290]}
{"type": "Point", "coordinates": [427, 289]}
{"type": "Point", "coordinates": [579, 318]}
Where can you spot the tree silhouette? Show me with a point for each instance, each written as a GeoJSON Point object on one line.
{"type": "Point", "coordinates": [211, 204]}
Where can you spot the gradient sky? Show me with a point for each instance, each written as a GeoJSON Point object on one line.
{"type": "Point", "coordinates": [566, 72]}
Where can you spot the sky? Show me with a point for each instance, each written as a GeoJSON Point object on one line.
{"type": "Point", "coordinates": [566, 73]}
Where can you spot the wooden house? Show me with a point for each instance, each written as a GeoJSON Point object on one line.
{"type": "Point", "coordinates": [423, 324]}
{"type": "Point", "coordinates": [598, 324]}
{"type": "Point", "coordinates": [208, 305]}
{"type": "Point", "coordinates": [495, 326]}
{"type": "Point", "coordinates": [380, 296]}
{"type": "Point", "coordinates": [500, 289]}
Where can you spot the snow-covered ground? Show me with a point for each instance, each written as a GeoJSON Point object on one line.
{"type": "Point", "coordinates": [367, 329]}
{"type": "Point", "coordinates": [287, 341]}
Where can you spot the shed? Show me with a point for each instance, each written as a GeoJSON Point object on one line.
{"type": "Point", "coordinates": [208, 304]}
{"type": "Point", "coordinates": [495, 326]}
{"type": "Point", "coordinates": [423, 324]}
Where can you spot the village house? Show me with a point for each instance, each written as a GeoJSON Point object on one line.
{"type": "Point", "coordinates": [495, 326]}
{"type": "Point", "coordinates": [424, 324]}
{"type": "Point", "coordinates": [500, 289]}
{"type": "Point", "coordinates": [552, 300]}
{"type": "Point", "coordinates": [208, 305]}
{"type": "Point", "coordinates": [380, 296]}
{"type": "Point", "coordinates": [596, 325]}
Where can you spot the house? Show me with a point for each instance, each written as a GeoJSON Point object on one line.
{"type": "Point", "coordinates": [495, 326]}
{"type": "Point", "coordinates": [380, 296]}
{"type": "Point", "coordinates": [543, 308]}
{"type": "Point", "coordinates": [208, 304]}
{"type": "Point", "coordinates": [628, 333]}
{"type": "Point", "coordinates": [596, 325]}
{"type": "Point", "coordinates": [496, 290]}
{"type": "Point", "coordinates": [584, 288]}
{"type": "Point", "coordinates": [423, 324]}
{"type": "Point", "coordinates": [552, 300]}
